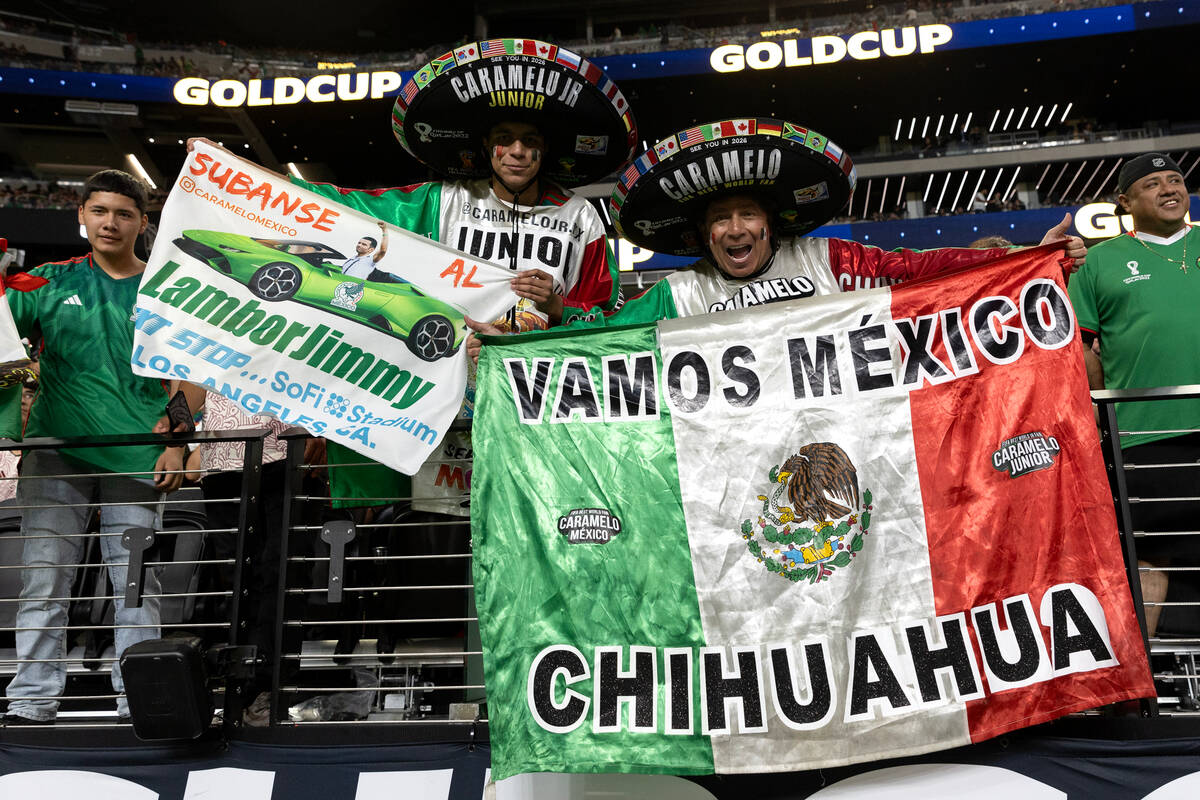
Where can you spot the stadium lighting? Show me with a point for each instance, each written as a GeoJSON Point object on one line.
{"type": "Point", "coordinates": [604, 211]}
{"type": "Point", "coordinates": [978, 183]}
{"type": "Point", "coordinates": [1050, 116]}
{"type": "Point", "coordinates": [967, 124]}
{"type": "Point", "coordinates": [958, 193]}
{"type": "Point", "coordinates": [140, 170]}
{"type": "Point", "coordinates": [941, 119]}
{"type": "Point", "coordinates": [1108, 177]}
{"type": "Point", "coordinates": [900, 199]}
{"type": "Point", "coordinates": [912, 126]}
{"type": "Point", "coordinates": [925, 128]}
{"type": "Point", "coordinates": [1066, 111]}
{"type": "Point", "coordinates": [995, 181]}
{"type": "Point", "coordinates": [1008, 191]}
{"type": "Point", "coordinates": [941, 196]}
{"type": "Point", "coordinates": [1008, 119]}
{"type": "Point", "coordinates": [867, 200]}
{"type": "Point", "coordinates": [1038, 185]}
{"type": "Point", "coordinates": [1061, 172]}
{"type": "Point", "coordinates": [928, 186]}
{"type": "Point", "coordinates": [883, 197]}
{"type": "Point", "coordinates": [292, 168]}
{"type": "Point", "coordinates": [899, 124]}
{"type": "Point", "coordinates": [1074, 178]}
{"type": "Point", "coordinates": [995, 117]}
{"type": "Point", "coordinates": [954, 122]}
{"type": "Point", "coordinates": [1021, 121]}
{"type": "Point", "coordinates": [1036, 114]}
{"type": "Point", "coordinates": [1091, 178]}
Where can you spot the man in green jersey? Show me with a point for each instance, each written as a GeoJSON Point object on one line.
{"type": "Point", "coordinates": [1137, 294]}
{"type": "Point", "coordinates": [83, 315]}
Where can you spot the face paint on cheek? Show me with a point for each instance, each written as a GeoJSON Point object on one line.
{"type": "Point", "coordinates": [535, 155]}
{"type": "Point", "coordinates": [497, 150]}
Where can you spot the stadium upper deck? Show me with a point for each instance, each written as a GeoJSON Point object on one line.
{"type": "Point", "coordinates": [1061, 95]}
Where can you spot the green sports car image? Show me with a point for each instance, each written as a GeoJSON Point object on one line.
{"type": "Point", "coordinates": [285, 269]}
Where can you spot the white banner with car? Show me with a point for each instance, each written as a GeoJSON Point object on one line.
{"type": "Point", "coordinates": [310, 311]}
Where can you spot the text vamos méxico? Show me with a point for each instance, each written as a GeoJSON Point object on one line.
{"type": "Point", "coordinates": [874, 357]}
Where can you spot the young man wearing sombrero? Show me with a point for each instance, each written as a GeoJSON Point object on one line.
{"type": "Point", "coordinates": [741, 193]}
{"type": "Point", "coordinates": [509, 123]}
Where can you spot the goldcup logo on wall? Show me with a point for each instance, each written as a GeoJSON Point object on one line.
{"type": "Point", "coordinates": [229, 93]}
{"type": "Point", "coordinates": [861, 46]}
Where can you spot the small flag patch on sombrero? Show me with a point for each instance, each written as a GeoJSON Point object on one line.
{"type": "Point", "coordinates": [449, 105]}
{"type": "Point", "coordinates": [799, 176]}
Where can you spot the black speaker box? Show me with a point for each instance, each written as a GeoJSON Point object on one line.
{"type": "Point", "coordinates": [167, 690]}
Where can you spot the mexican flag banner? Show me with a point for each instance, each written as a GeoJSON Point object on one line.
{"type": "Point", "coordinates": [801, 535]}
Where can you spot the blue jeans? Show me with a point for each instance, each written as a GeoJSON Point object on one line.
{"type": "Point", "coordinates": [54, 538]}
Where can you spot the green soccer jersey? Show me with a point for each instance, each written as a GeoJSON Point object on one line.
{"type": "Point", "coordinates": [87, 387]}
{"type": "Point", "coordinates": [1134, 295]}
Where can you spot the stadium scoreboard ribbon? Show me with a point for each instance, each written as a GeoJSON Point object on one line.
{"type": "Point", "coordinates": [245, 294]}
{"type": "Point", "coordinates": [803, 535]}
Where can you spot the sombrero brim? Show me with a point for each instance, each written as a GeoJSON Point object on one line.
{"type": "Point", "coordinates": [804, 176]}
{"type": "Point", "coordinates": [445, 108]}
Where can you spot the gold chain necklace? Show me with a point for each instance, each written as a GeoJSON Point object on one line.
{"type": "Point", "coordinates": [1181, 262]}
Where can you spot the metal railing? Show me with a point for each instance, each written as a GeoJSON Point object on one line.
{"type": "Point", "coordinates": [1175, 659]}
{"type": "Point", "coordinates": [170, 555]}
{"type": "Point", "coordinates": [369, 615]}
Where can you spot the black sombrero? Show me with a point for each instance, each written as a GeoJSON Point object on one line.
{"type": "Point", "coordinates": [445, 108]}
{"type": "Point", "coordinates": [807, 178]}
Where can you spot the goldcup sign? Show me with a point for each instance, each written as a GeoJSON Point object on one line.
{"type": "Point", "coordinates": [861, 46]}
{"type": "Point", "coordinates": [229, 93]}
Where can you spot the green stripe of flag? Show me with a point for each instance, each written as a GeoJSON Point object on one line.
{"type": "Point", "coordinates": [535, 589]}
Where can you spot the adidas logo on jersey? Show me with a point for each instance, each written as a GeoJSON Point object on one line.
{"type": "Point", "coordinates": [73, 300]}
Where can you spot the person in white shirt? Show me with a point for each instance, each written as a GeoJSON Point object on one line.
{"type": "Point", "coordinates": [368, 253]}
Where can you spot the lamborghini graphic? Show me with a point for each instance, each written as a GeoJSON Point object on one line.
{"type": "Point", "coordinates": [285, 269]}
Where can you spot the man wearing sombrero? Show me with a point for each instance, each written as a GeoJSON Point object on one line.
{"type": "Point", "coordinates": [741, 193]}
{"type": "Point", "coordinates": [509, 123]}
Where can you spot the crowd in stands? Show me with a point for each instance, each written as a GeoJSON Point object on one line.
{"type": "Point", "coordinates": [38, 194]}
{"type": "Point", "coordinates": [27, 193]}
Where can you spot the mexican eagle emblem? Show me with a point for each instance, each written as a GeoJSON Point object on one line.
{"type": "Point", "coordinates": [822, 523]}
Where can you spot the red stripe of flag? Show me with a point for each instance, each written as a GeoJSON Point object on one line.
{"type": "Point", "coordinates": [590, 71]}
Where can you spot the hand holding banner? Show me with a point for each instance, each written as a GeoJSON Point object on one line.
{"type": "Point", "coordinates": [250, 292]}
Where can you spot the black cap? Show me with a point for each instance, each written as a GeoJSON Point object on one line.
{"type": "Point", "coordinates": [1143, 165]}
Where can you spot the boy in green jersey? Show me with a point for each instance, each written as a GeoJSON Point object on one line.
{"type": "Point", "coordinates": [1137, 295]}
{"type": "Point", "coordinates": [84, 317]}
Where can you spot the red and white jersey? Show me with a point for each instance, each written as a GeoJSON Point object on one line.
{"type": "Point", "coordinates": [808, 266]}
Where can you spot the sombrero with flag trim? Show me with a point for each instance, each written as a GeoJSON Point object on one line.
{"type": "Point", "coordinates": [446, 107]}
{"type": "Point", "coordinates": [805, 178]}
